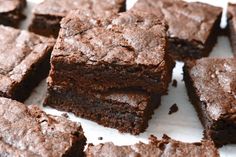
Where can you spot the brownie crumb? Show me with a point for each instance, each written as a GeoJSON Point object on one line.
{"type": "Point", "coordinates": [174, 108]}
{"type": "Point", "coordinates": [174, 83]}
{"type": "Point", "coordinates": [65, 115]}
{"type": "Point", "coordinates": [100, 138]}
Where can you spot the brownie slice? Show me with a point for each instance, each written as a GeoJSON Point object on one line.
{"type": "Point", "coordinates": [126, 50]}
{"type": "Point", "coordinates": [193, 26]}
{"type": "Point", "coordinates": [127, 111]}
{"type": "Point", "coordinates": [165, 147]}
{"type": "Point", "coordinates": [11, 12]}
{"type": "Point", "coordinates": [28, 131]}
{"type": "Point", "coordinates": [48, 14]}
{"type": "Point", "coordinates": [232, 26]}
{"type": "Point", "coordinates": [211, 85]}
{"type": "Point", "coordinates": [24, 61]}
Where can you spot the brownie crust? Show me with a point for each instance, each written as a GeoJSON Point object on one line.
{"type": "Point", "coordinates": [211, 88]}
{"type": "Point", "coordinates": [196, 34]}
{"type": "Point", "coordinates": [164, 147]}
{"type": "Point", "coordinates": [24, 62]}
{"type": "Point", "coordinates": [128, 48]}
{"type": "Point", "coordinates": [11, 12]}
{"type": "Point", "coordinates": [48, 14]}
{"type": "Point", "coordinates": [28, 131]}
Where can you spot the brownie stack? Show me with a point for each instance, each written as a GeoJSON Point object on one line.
{"type": "Point", "coordinates": [110, 70]}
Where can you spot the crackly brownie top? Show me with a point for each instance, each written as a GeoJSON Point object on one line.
{"type": "Point", "coordinates": [62, 7]}
{"type": "Point", "coordinates": [187, 21]}
{"type": "Point", "coordinates": [28, 131]}
{"type": "Point", "coordinates": [125, 38]}
{"type": "Point", "coordinates": [19, 51]}
{"type": "Point", "coordinates": [165, 147]}
{"type": "Point", "coordinates": [215, 82]}
{"type": "Point", "coordinates": [10, 5]}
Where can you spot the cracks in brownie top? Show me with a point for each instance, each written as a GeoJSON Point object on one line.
{"type": "Point", "coordinates": [164, 147]}
{"type": "Point", "coordinates": [215, 81]}
{"type": "Point", "coordinates": [10, 5]}
{"type": "Point", "coordinates": [18, 50]}
{"type": "Point", "coordinates": [125, 38]}
{"type": "Point", "coordinates": [194, 20]}
{"type": "Point", "coordinates": [30, 130]}
{"type": "Point", "coordinates": [62, 7]}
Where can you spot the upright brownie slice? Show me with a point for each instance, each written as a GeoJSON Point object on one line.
{"type": "Point", "coordinates": [28, 131]}
{"type": "Point", "coordinates": [232, 26]}
{"type": "Point", "coordinates": [11, 12]}
{"type": "Point", "coordinates": [193, 27]}
{"type": "Point", "coordinates": [24, 61]}
{"type": "Point", "coordinates": [156, 148]}
{"type": "Point", "coordinates": [211, 85]}
{"type": "Point", "coordinates": [48, 14]}
{"type": "Point", "coordinates": [125, 110]}
{"type": "Point", "coordinates": [126, 50]}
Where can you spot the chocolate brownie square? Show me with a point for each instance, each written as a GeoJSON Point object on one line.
{"type": "Point", "coordinates": [24, 61]}
{"type": "Point", "coordinates": [193, 26]}
{"type": "Point", "coordinates": [127, 111]}
{"type": "Point", "coordinates": [165, 147]}
{"type": "Point", "coordinates": [232, 26]}
{"type": "Point", "coordinates": [11, 12]}
{"type": "Point", "coordinates": [126, 50]}
{"type": "Point", "coordinates": [48, 14]}
{"type": "Point", "coordinates": [28, 131]}
{"type": "Point", "coordinates": [211, 85]}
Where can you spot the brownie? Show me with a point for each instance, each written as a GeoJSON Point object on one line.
{"type": "Point", "coordinates": [126, 50]}
{"type": "Point", "coordinates": [127, 111]}
{"type": "Point", "coordinates": [211, 85]}
{"type": "Point", "coordinates": [165, 147]}
{"type": "Point", "coordinates": [11, 12]}
{"type": "Point", "coordinates": [231, 29]}
{"type": "Point", "coordinates": [48, 14]}
{"type": "Point", "coordinates": [28, 131]}
{"type": "Point", "coordinates": [24, 61]}
{"type": "Point", "coordinates": [193, 26]}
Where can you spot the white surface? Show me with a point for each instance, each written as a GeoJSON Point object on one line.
{"type": "Point", "coordinates": [183, 125]}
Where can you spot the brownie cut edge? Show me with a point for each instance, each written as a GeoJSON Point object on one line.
{"type": "Point", "coordinates": [211, 87]}
{"type": "Point", "coordinates": [24, 61]}
{"type": "Point", "coordinates": [11, 12]}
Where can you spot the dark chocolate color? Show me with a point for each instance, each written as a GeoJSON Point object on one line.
{"type": "Point", "coordinates": [211, 85]}
{"type": "Point", "coordinates": [24, 61]}
{"type": "Point", "coordinates": [127, 111]}
{"type": "Point", "coordinates": [231, 29]}
{"type": "Point", "coordinates": [174, 108]}
{"type": "Point", "coordinates": [48, 14]}
{"type": "Point", "coordinates": [156, 148]}
{"type": "Point", "coordinates": [127, 50]}
{"type": "Point", "coordinates": [11, 12]}
{"type": "Point", "coordinates": [174, 83]}
{"type": "Point", "coordinates": [30, 132]}
{"type": "Point", "coordinates": [193, 27]}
